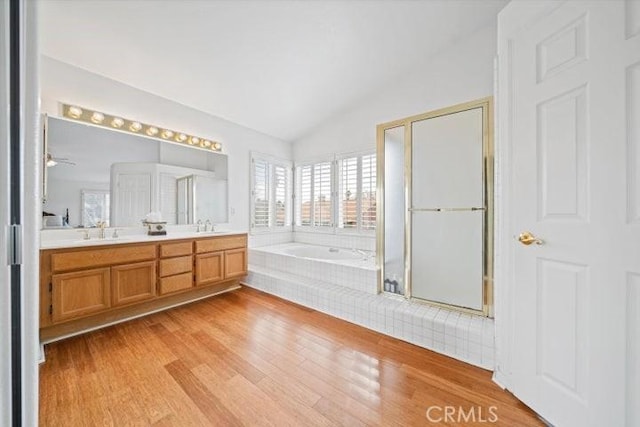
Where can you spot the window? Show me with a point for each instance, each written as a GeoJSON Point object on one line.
{"type": "Point", "coordinates": [95, 207]}
{"type": "Point", "coordinates": [341, 192]}
{"type": "Point", "coordinates": [270, 194]}
{"type": "Point", "coordinates": [315, 206]}
{"type": "Point", "coordinates": [357, 192]}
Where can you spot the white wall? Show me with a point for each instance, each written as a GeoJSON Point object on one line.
{"type": "Point", "coordinates": [463, 72]}
{"type": "Point", "coordinates": [62, 82]}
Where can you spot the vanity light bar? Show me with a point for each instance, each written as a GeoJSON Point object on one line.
{"type": "Point", "coordinates": [98, 118]}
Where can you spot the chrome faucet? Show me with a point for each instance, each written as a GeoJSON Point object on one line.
{"type": "Point", "coordinates": [101, 226]}
{"type": "Point", "coordinates": [198, 225]}
{"type": "Point", "coordinates": [208, 224]}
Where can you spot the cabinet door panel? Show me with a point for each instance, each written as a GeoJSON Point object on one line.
{"type": "Point", "coordinates": [179, 282]}
{"type": "Point", "coordinates": [220, 243]}
{"type": "Point", "coordinates": [209, 268]}
{"type": "Point", "coordinates": [89, 258]}
{"type": "Point", "coordinates": [235, 263]}
{"type": "Point", "coordinates": [176, 249]}
{"type": "Point", "coordinates": [171, 266]}
{"type": "Point", "coordinates": [80, 293]}
{"type": "Point", "coordinates": [133, 282]}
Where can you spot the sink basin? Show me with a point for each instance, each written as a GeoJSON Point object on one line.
{"type": "Point", "coordinates": [208, 233]}
{"type": "Point", "coordinates": [107, 240]}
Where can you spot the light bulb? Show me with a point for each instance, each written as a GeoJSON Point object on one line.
{"type": "Point", "coordinates": [74, 112]}
{"type": "Point", "coordinates": [216, 146]}
{"type": "Point", "coordinates": [181, 137]}
{"type": "Point", "coordinates": [166, 134]}
{"type": "Point", "coordinates": [135, 126]}
{"type": "Point", "coordinates": [117, 122]}
{"type": "Point", "coordinates": [97, 117]}
{"type": "Point", "coordinates": [152, 130]}
{"type": "Point", "coordinates": [194, 140]}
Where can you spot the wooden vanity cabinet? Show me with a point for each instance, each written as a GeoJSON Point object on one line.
{"type": "Point", "coordinates": [220, 259]}
{"type": "Point", "coordinates": [87, 287]}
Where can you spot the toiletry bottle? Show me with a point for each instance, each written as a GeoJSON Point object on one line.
{"type": "Point", "coordinates": [394, 284]}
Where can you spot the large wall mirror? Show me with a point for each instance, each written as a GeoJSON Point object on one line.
{"type": "Point", "coordinates": [435, 230]}
{"type": "Point", "coordinates": [96, 174]}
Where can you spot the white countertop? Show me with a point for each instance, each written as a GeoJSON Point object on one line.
{"type": "Point", "coordinates": [66, 239]}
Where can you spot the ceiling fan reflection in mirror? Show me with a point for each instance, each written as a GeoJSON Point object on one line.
{"type": "Point", "coordinates": [52, 161]}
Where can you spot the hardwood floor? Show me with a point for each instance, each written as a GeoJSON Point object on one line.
{"type": "Point", "coordinates": [248, 358]}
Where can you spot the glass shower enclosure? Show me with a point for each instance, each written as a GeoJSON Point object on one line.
{"type": "Point", "coordinates": [436, 215]}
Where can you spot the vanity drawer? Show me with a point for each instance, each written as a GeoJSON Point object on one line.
{"type": "Point", "coordinates": [176, 283]}
{"type": "Point", "coordinates": [176, 249]}
{"type": "Point", "coordinates": [171, 266]}
{"type": "Point", "coordinates": [88, 258]}
{"type": "Point", "coordinates": [220, 244]}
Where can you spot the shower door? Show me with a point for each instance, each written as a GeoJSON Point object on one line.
{"type": "Point", "coordinates": [447, 209]}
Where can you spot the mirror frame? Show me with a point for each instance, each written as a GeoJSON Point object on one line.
{"type": "Point", "coordinates": [486, 104]}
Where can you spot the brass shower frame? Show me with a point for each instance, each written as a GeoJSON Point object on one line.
{"type": "Point", "coordinates": [486, 104]}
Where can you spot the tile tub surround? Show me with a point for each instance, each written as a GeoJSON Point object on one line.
{"type": "Point", "coordinates": [270, 238]}
{"type": "Point", "coordinates": [353, 274]}
{"type": "Point", "coordinates": [459, 335]}
{"type": "Point", "coordinates": [338, 240]}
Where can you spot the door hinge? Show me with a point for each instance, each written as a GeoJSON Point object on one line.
{"type": "Point", "coordinates": [14, 256]}
{"type": "Point", "coordinates": [50, 309]}
{"type": "Point", "coordinates": [50, 287]}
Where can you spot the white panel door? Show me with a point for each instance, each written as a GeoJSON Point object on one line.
{"type": "Point", "coordinates": [569, 82]}
{"type": "Point", "coordinates": [169, 198]}
{"type": "Point", "coordinates": [133, 198]}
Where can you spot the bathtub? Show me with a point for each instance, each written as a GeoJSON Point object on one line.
{"type": "Point", "coordinates": [325, 253]}
{"type": "Point", "coordinates": [338, 266]}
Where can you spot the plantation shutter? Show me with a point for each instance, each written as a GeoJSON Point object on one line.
{"type": "Point", "coordinates": [280, 177]}
{"type": "Point", "coordinates": [322, 194]}
{"type": "Point", "coordinates": [348, 195]}
{"type": "Point", "coordinates": [368, 193]}
{"type": "Point", "coordinates": [304, 179]}
{"type": "Point", "coordinates": [261, 194]}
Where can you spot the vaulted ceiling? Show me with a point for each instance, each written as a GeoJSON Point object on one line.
{"type": "Point", "coordinates": [279, 67]}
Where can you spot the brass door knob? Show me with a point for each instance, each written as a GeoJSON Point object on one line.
{"type": "Point", "coordinates": [527, 238]}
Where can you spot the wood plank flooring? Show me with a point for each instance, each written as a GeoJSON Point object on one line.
{"type": "Point", "coordinates": [249, 358]}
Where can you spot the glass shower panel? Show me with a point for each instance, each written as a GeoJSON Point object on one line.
{"type": "Point", "coordinates": [394, 210]}
{"type": "Point", "coordinates": [447, 161]}
{"type": "Point", "coordinates": [447, 257]}
{"type": "Point", "coordinates": [447, 209]}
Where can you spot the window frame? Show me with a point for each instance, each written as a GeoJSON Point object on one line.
{"type": "Point", "coordinates": [272, 163]}
{"type": "Point", "coordinates": [336, 196]}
